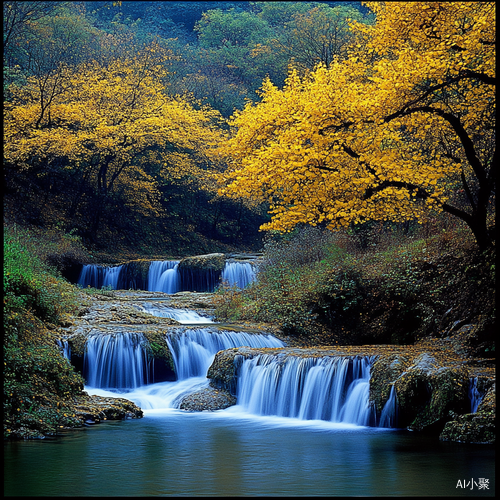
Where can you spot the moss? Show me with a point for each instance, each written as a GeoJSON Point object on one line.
{"type": "Point", "coordinates": [157, 348]}
{"type": "Point", "coordinates": [210, 262]}
{"type": "Point", "coordinates": [478, 428]}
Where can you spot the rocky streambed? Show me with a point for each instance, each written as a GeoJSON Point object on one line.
{"type": "Point", "coordinates": [432, 379]}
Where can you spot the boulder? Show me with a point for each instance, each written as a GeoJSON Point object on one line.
{"type": "Point", "coordinates": [211, 261]}
{"type": "Point", "coordinates": [208, 399]}
{"type": "Point", "coordinates": [476, 428]}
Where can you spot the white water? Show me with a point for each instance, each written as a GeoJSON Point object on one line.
{"type": "Point", "coordinates": [163, 276]}
{"type": "Point", "coordinates": [116, 361]}
{"type": "Point", "coordinates": [99, 276]}
{"type": "Point", "coordinates": [194, 349]}
{"type": "Point", "coordinates": [238, 274]}
{"type": "Point", "coordinates": [474, 395]}
{"type": "Point", "coordinates": [389, 415]}
{"type": "Point", "coordinates": [183, 316]}
{"type": "Point", "coordinates": [333, 390]}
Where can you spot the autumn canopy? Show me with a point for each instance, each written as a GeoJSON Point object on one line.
{"type": "Point", "coordinates": [405, 126]}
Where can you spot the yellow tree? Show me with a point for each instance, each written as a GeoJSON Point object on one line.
{"type": "Point", "coordinates": [103, 130]}
{"type": "Point", "coordinates": [403, 127]}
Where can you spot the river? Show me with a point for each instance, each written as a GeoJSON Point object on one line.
{"type": "Point", "coordinates": [259, 447]}
{"type": "Point", "coordinates": [230, 453]}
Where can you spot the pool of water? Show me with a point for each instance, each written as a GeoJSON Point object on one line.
{"type": "Point", "coordinates": [229, 453]}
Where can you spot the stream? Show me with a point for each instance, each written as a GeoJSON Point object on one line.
{"type": "Point", "coordinates": [302, 428]}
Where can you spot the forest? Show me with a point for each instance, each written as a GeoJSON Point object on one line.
{"type": "Point", "coordinates": [112, 110]}
{"type": "Point", "coordinates": [352, 144]}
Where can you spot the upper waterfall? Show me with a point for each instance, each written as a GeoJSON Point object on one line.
{"type": "Point", "coordinates": [165, 276]}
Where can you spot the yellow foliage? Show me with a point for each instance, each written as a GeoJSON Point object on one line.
{"type": "Point", "coordinates": [109, 122]}
{"type": "Point", "coordinates": [387, 134]}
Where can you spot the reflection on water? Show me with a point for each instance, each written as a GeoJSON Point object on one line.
{"type": "Point", "coordinates": [171, 452]}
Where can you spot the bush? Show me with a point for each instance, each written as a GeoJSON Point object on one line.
{"type": "Point", "coordinates": [38, 380]}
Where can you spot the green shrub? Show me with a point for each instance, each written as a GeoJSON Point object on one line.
{"type": "Point", "coordinates": [38, 381]}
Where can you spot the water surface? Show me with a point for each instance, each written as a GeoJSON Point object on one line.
{"type": "Point", "coordinates": [230, 453]}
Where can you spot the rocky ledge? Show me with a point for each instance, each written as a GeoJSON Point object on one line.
{"type": "Point", "coordinates": [431, 384]}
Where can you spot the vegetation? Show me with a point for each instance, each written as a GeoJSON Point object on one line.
{"type": "Point", "coordinates": [389, 134]}
{"type": "Point", "coordinates": [38, 380]}
{"type": "Point", "coordinates": [331, 288]}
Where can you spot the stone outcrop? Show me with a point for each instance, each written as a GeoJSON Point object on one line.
{"type": "Point", "coordinates": [211, 261]}
{"type": "Point", "coordinates": [427, 390]}
{"type": "Point", "coordinates": [476, 428]}
{"type": "Point", "coordinates": [94, 409]}
{"type": "Point", "coordinates": [208, 399]}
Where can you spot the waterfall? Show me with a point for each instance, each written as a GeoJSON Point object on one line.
{"type": "Point", "coordinates": [238, 274]}
{"type": "Point", "coordinates": [163, 276]}
{"type": "Point", "coordinates": [474, 395]}
{"type": "Point", "coordinates": [334, 389]}
{"type": "Point", "coordinates": [99, 276]}
{"type": "Point", "coordinates": [66, 348]}
{"type": "Point", "coordinates": [116, 361]}
{"type": "Point", "coordinates": [194, 349]}
{"type": "Point", "coordinates": [389, 415]}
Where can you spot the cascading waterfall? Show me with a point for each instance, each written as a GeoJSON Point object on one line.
{"type": "Point", "coordinates": [474, 395]}
{"type": "Point", "coordinates": [99, 276]}
{"type": "Point", "coordinates": [238, 274]}
{"type": "Point", "coordinates": [163, 276]}
{"type": "Point", "coordinates": [116, 361]}
{"type": "Point", "coordinates": [120, 362]}
{"type": "Point", "coordinates": [66, 348]}
{"type": "Point", "coordinates": [389, 415]}
{"type": "Point", "coordinates": [194, 349]}
{"type": "Point", "coordinates": [334, 389]}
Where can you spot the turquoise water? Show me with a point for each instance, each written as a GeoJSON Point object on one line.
{"type": "Point", "coordinates": [230, 453]}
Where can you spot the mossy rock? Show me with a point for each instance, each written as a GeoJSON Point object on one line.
{"type": "Point", "coordinates": [222, 371]}
{"type": "Point", "coordinates": [476, 428]}
{"type": "Point", "coordinates": [209, 262]}
{"type": "Point", "coordinates": [157, 348]}
{"type": "Point", "coordinates": [384, 372]}
{"type": "Point", "coordinates": [93, 409]}
{"type": "Point", "coordinates": [428, 391]}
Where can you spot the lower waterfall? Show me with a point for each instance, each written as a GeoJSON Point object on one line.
{"type": "Point", "coordinates": [333, 389]}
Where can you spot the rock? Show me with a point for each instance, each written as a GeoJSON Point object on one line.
{"type": "Point", "coordinates": [208, 399]}
{"type": "Point", "coordinates": [211, 261]}
{"type": "Point", "coordinates": [92, 409]}
{"type": "Point", "coordinates": [477, 428]}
